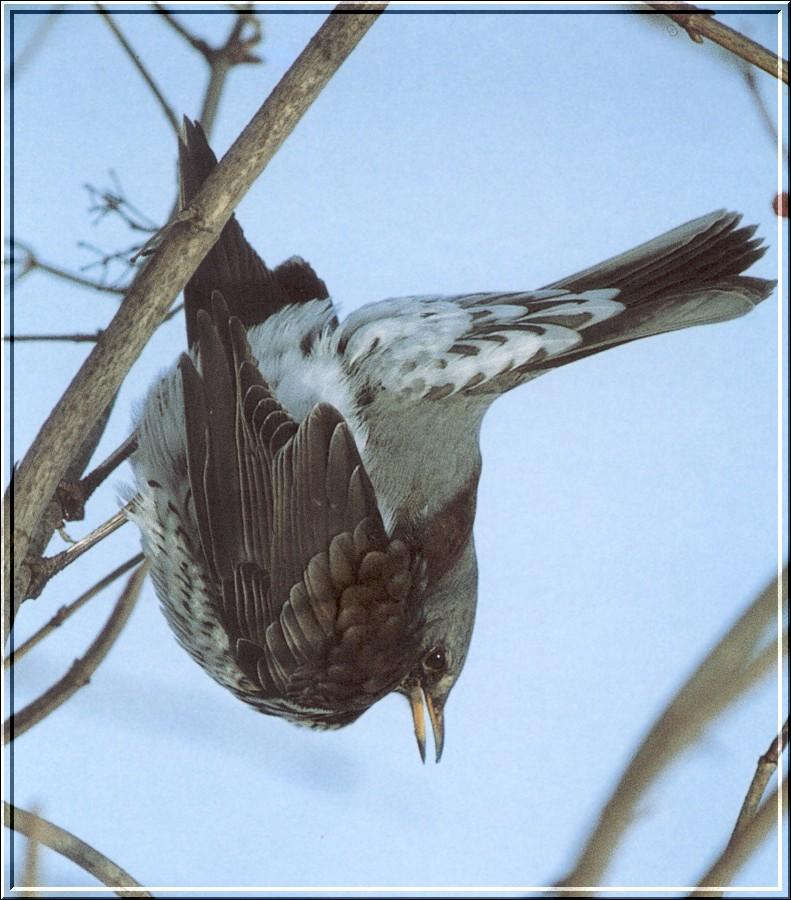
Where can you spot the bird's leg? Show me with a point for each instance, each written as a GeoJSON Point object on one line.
{"type": "Point", "coordinates": [43, 568]}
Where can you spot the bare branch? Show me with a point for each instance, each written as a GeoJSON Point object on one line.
{"type": "Point", "coordinates": [699, 23]}
{"type": "Point", "coordinates": [147, 77]}
{"type": "Point", "coordinates": [81, 669]}
{"type": "Point", "coordinates": [741, 847]}
{"type": "Point", "coordinates": [30, 873]}
{"type": "Point", "coordinates": [195, 42]}
{"type": "Point", "coordinates": [71, 338]}
{"type": "Point", "coordinates": [235, 51]}
{"type": "Point", "coordinates": [52, 516]}
{"type": "Point", "coordinates": [763, 111]}
{"type": "Point", "coordinates": [729, 670]}
{"type": "Point", "coordinates": [73, 495]}
{"type": "Point", "coordinates": [164, 276]}
{"type": "Point", "coordinates": [65, 843]}
{"type": "Point", "coordinates": [65, 612]}
{"type": "Point", "coordinates": [32, 263]}
{"type": "Point", "coordinates": [245, 34]}
{"type": "Point", "coordinates": [45, 568]}
{"type": "Point", "coordinates": [767, 766]}
{"type": "Point", "coordinates": [105, 201]}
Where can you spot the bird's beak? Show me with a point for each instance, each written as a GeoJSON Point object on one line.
{"type": "Point", "coordinates": [419, 700]}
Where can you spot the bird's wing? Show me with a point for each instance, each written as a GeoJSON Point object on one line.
{"type": "Point", "coordinates": [252, 291]}
{"type": "Point", "coordinates": [483, 344]}
{"type": "Point", "coordinates": [318, 603]}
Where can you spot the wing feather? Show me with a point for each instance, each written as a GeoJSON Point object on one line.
{"type": "Point", "coordinates": [293, 536]}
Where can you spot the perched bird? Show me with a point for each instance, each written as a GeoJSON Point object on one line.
{"type": "Point", "coordinates": [306, 488]}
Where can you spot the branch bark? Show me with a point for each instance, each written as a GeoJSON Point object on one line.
{"type": "Point", "coordinates": [65, 843]}
{"type": "Point", "coordinates": [160, 280]}
{"type": "Point", "coordinates": [81, 670]}
{"type": "Point", "coordinates": [699, 24]}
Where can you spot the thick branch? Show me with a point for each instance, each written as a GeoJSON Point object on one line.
{"type": "Point", "coordinates": [698, 25]}
{"type": "Point", "coordinates": [726, 673]}
{"type": "Point", "coordinates": [65, 843]}
{"type": "Point", "coordinates": [166, 273]}
{"type": "Point", "coordinates": [81, 670]}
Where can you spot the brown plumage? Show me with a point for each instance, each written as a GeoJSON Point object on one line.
{"type": "Point", "coordinates": [320, 606]}
{"type": "Point", "coordinates": [308, 513]}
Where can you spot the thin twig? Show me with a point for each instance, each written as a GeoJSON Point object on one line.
{"type": "Point", "coordinates": [81, 670]}
{"type": "Point", "coordinates": [105, 201]}
{"type": "Point", "coordinates": [71, 338]}
{"type": "Point", "coordinates": [699, 24]}
{"type": "Point", "coordinates": [146, 75]}
{"type": "Point", "coordinates": [73, 495]}
{"type": "Point", "coordinates": [46, 567]}
{"type": "Point", "coordinates": [195, 42]}
{"type": "Point", "coordinates": [763, 111]}
{"type": "Point", "coordinates": [739, 850]}
{"type": "Point", "coordinates": [162, 277]}
{"type": "Point", "coordinates": [767, 765]}
{"type": "Point", "coordinates": [65, 612]}
{"type": "Point", "coordinates": [32, 263]}
{"type": "Point", "coordinates": [729, 670]}
{"type": "Point", "coordinates": [236, 50]}
{"type": "Point", "coordinates": [65, 843]}
{"type": "Point", "coordinates": [75, 338]}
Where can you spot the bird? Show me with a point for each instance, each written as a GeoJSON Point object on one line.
{"type": "Point", "coordinates": [306, 487]}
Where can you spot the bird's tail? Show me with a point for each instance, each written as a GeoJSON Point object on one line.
{"type": "Point", "coordinates": [252, 291]}
{"type": "Point", "coordinates": [688, 276]}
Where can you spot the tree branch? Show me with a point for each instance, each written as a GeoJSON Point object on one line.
{"type": "Point", "coordinates": [165, 274]}
{"type": "Point", "coordinates": [729, 670]}
{"type": "Point", "coordinates": [73, 495]}
{"type": "Point", "coordinates": [138, 64]}
{"type": "Point", "coordinates": [82, 669]}
{"type": "Point", "coordinates": [699, 24]}
{"type": "Point", "coordinates": [739, 850]}
{"type": "Point", "coordinates": [33, 263]}
{"type": "Point", "coordinates": [65, 843]}
{"type": "Point", "coordinates": [45, 568]}
{"type": "Point", "coordinates": [76, 338]}
{"type": "Point", "coordinates": [67, 611]}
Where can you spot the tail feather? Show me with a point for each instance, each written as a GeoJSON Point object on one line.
{"type": "Point", "coordinates": [685, 277]}
{"type": "Point", "coordinates": [252, 291]}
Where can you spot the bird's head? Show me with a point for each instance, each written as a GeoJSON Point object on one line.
{"type": "Point", "coordinates": [442, 650]}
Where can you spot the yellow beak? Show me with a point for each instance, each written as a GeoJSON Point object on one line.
{"type": "Point", "coordinates": [419, 700]}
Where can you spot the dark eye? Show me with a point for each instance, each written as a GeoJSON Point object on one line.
{"type": "Point", "coordinates": [434, 661]}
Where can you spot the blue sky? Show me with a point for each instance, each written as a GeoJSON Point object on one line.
{"type": "Point", "coordinates": [628, 503]}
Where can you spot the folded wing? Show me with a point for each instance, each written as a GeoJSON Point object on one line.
{"type": "Point", "coordinates": [319, 605]}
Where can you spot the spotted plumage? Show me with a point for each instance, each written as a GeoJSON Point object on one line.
{"type": "Point", "coordinates": [306, 487]}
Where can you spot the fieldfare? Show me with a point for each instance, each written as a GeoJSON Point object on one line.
{"type": "Point", "coordinates": [306, 487]}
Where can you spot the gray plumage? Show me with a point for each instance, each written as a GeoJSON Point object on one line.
{"type": "Point", "coordinates": [299, 428]}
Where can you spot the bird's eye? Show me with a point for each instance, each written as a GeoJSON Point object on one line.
{"type": "Point", "coordinates": [434, 661]}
